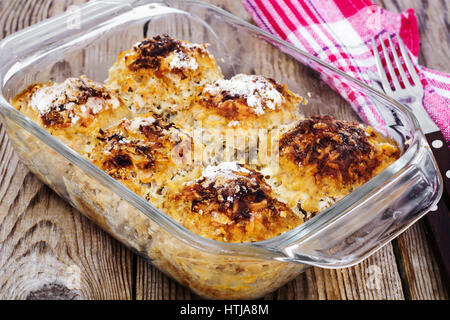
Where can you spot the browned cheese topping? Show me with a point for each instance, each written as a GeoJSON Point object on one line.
{"type": "Point", "coordinates": [233, 203]}
{"type": "Point", "coordinates": [138, 151]}
{"type": "Point", "coordinates": [323, 159]}
{"type": "Point", "coordinates": [150, 52]}
{"type": "Point", "coordinates": [338, 149]}
{"type": "Point", "coordinates": [162, 74]}
{"type": "Point", "coordinates": [244, 96]}
{"type": "Point", "coordinates": [242, 102]}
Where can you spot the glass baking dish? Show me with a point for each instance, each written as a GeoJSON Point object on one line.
{"type": "Point", "coordinates": [87, 40]}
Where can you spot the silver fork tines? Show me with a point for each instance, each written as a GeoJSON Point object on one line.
{"type": "Point", "coordinates": [411, 94]}
{"type": "Point", "coordinates": [409, 65]}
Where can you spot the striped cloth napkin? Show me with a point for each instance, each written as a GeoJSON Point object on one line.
{"type": "Point", "coordinates": [339, 32]}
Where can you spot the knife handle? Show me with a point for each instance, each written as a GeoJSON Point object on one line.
{"type": "Point", "coordinates": [438, 219]}
{"type": "Point", "coordinates": [441, 153]}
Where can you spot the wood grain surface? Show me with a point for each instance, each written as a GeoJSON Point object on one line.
{"type": "Point", "coordinates": [48, 250]}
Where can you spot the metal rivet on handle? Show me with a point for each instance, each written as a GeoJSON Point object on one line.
{"type": "Point", "coordinates": [448, 174]}
{"type": "Point", "coordinates": [434, 208]}
{"type": "Point", "coordinates": [437, 144]}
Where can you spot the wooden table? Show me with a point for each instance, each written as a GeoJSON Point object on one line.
{"type": "Point", "coordinates": [44, 241]}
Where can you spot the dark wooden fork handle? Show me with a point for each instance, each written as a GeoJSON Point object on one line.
{"type": "Point", "coordinates": [441, 153]}
{"type": "Point", "coordinates": [438, 219]}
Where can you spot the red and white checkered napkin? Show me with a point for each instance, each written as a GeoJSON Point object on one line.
{"type": "Point", "coordinates": [339, 32]}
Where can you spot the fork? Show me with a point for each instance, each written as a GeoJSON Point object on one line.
{"type": "Point", "coordinates": [411, 96]}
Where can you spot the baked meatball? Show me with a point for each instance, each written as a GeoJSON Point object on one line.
{"type": "Point", "coordinates": [71, 110]}
{"type": "Point", "coordinates": [162, 74]}
{"type": "Point", "coordinates": [231, 203]}
{"type": "Point", "coordinates": [244, 102]}
{"type": "Point", "coordinates": [322, 159]}
{"type": "Point", "coordinates": [143, 153]}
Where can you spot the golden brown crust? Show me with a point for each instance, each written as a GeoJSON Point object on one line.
{"type": "Point", "coordinates": [232, 203]}
{"type": "Point", "coordinates": [60, 115]}
{"type": "Point", "coordinates": [243, 102]}
{"type": "Point", "coordinates": [323, 159]}
{"type": "Point", "coordinates": [72, 109]}
{"type": "Point", "coordinates": [162, 74]}
{"type": "Point", "coordinates": [235, 106]}
{"type": "Point", "coordinates": [140, 152]}
{"type": "Point", "coordinates": [150, 54]}
{"type": "Point", "coordinates": [63, 105]}
{"type": "Point", "coordinates": [338, 149]}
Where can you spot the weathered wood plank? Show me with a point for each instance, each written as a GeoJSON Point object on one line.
{"type": "Point", "coordinates": [48, 250]}
{"type": "Point", "coordinates": [152, 284]}
{"type": "Point", "coordinates": [375, 278]}
{"type": "Point", "coordinates": [419, 265]}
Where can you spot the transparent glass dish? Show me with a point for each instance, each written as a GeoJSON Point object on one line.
{"type": "Point", "coordinates": [87, 41]}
